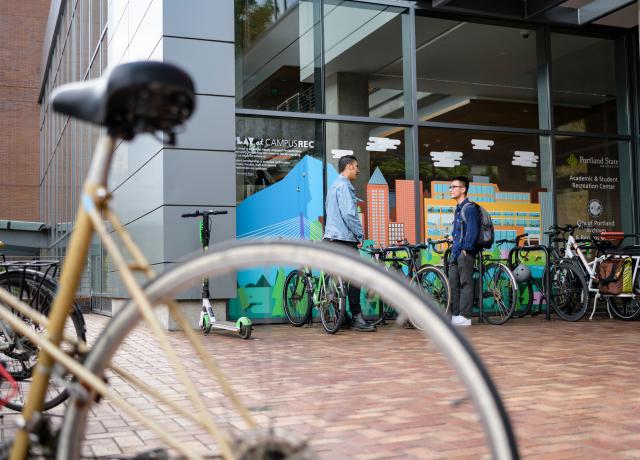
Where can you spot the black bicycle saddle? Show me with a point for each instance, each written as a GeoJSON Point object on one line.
{"type": "Point", "coordinates": [131, 98]}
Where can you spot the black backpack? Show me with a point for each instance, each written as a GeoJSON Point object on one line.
{"type": "Point", "coordinates": [486, 235]}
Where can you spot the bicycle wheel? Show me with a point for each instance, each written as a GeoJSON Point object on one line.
{"type": "Point", "coordinates": [626, 308]}
{"type": "Point", "coordinates": [332, 303]}
{"type": "Point", "coordinates": [569, 291]}
{"type": "Point", "coordinates": [238, 255]}
{"type": "Point", "coordinates": [20, 355]}
{"type": "Point", "coordinates": [498, 293]}
{"type": "Point", "coordinates": [432, 281]}
{"type": "Point", "coordinates": [385, 312]}
{"type": "Point", "coordinates": [524, 299]}
{"type": "Point", "coordinates": [297, 301]}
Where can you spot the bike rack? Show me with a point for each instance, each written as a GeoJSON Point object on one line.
{"type": "Point", "coordinates": [546, 280]}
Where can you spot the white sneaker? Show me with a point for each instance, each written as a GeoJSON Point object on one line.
{"type": "Point", "coordinates": [463, 321]}
{"type": "Point", "coordinates": [455, 319]}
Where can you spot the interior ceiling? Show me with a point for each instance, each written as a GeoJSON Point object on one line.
{"type": "Point", "coordinates": [626, 17]}
{"type": "Point", "coordinates": [547, 10]}
{"type": "Point", "coordinates": [502, 64]}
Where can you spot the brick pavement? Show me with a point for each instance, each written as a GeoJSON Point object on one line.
{"type": "Point", "coordinates": [570, 388]}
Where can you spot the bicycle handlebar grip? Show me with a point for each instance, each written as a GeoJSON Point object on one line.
{"type": "Point", "coordinates": [195, 214]}
{"type": "Point", "coordinates": [219, 212]}
{"type": "Point", "coordinates": [434, 245]}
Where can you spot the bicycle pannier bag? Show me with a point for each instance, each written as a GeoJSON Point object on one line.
{"type": "Point", "coordinates": [614, 276]}
{"type": "Point", "coordinates": [486, 234]}
{"type": "Point", "coordinates": [627, 276]}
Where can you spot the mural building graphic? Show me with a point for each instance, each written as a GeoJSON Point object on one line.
{"type": "Point", "coordinates": [512, 213]}
{"type": "Point", "coordinates": [390, 222]}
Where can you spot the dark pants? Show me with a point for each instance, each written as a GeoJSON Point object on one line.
{"type": "Point", "coordinates": [461, 281]}
{"type": "Point", "coordinates": [354, 291]}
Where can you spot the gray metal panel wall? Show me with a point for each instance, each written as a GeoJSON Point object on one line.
{"type": "Point", "coordinates": [154, 183]}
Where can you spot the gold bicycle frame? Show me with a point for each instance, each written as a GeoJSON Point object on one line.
{"type": "Point", "coordinates": [94, 205]}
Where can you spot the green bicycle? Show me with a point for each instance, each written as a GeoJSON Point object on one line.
{"type": "Point", "coordinates": [302, 291]}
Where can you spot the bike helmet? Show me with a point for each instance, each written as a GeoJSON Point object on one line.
{"type": "Point", "coordinates": [522, 273]}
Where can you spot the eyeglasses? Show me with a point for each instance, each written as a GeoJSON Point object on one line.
{"type": "Point", "coordinates": [455, 186]}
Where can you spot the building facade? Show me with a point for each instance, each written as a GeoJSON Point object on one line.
{"type": "Point", "coordinates": [21, 32]}
{"type": "Point", "coordinates": [538, 106]}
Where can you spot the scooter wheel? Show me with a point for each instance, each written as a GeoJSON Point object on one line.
{"type": "Point", "coordinates": [245, 331]}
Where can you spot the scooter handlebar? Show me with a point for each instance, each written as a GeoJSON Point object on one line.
{"type": "Point", "coordinates": [204, 213]}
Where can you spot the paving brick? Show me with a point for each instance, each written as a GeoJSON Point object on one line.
{"type": "Point", "coordinates": [570, 389]}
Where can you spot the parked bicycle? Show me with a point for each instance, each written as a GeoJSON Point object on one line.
{"type": "Point", "coordinates": [406, 259]}
{"type": "Point", "coordinates": [520, 260]}
{"type": "Point", "coordinates": [144, 97]}
{"type": "Point", "coordinates": [496, 295]}
{"type": "Point", "coordinates": [303, 291]}
{"type": "Point", "coordinates": [575, 279]}
{"type": "Point", "coordinates": [33, 282]}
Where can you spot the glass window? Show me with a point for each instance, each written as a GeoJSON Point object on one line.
{"type": "Point", "coordinates": [364, 69]}
{"type": "Point", "coordinates": [491, 82]}
{"type": "Point", "coordinates": [584, 83]}
{"type": "Point", "coordinates": [385, 167]}
{"type": "Point", "coordinates": [279, 178]}
{"type": "Point", "coordinates": [500, 175]}
{"type": "Point", "coordinates": [277, 54]}
{"type": "Point", "coordinates": [591, 184]}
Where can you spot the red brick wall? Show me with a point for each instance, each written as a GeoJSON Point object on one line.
{"type": "Point", "coordinates": [22, 26]}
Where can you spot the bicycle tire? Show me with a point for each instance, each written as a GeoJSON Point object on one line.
{"type": "Point", "coordinates": [297, 304]}
{"type": "Point", "coordinates": [524, 300]}
{"type": "Point", "coordinates": [237, 255]}
{"type": "Point", "coordinates": [569, 295]}
{"type": "Point", "coordinates": [39, 293]}
{"type": "Point", "coordinates": [386, 313]}
{"type": "Point", "coordinates": [626, 308]}
{"type": "Point", "coordinates": [432, 281]}
{"type": "Point", "coordinates": [499, 286]}
{"type": "Point", "coordinates": [332, 303]}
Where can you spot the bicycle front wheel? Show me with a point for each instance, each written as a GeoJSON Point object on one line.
{"type": "Point", "coordinates": [432, 281]}
{"type": "Point", "coordinates": [569, 291]}
{"type": "Point", "coordinates": [79, 424]}
{"type": "Point", "coordinates": [498, 293]}
{"type": "Point", "coordinates": [332, 303]}
{"type": "Point", "coordinates": [297, 300]}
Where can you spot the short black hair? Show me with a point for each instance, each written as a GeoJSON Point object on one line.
{"type": "Point", "coordinates": [465, 182]}
{"type": "Point", "coordinates": [344, 161]}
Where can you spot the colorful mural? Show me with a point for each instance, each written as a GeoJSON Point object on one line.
{"type": "Point", "coordinates": [290, 208]}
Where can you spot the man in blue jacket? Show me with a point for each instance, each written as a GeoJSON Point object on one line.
{"type": "Point", "coordinates": [343, 226]}
{"type": "Point", "coordinates": [466, 228]}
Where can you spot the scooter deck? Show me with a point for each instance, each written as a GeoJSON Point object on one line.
{"type": "Point", "coordinates": [224, 325]}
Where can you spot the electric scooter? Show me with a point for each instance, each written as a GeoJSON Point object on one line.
{"type": "Point", "coordinates": [207, 321]}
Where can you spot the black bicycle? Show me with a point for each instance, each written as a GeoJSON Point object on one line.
{"type": "Point", "coordinates": [406, 258]}
{"type": "Point", "coordinates": [33, 282]}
